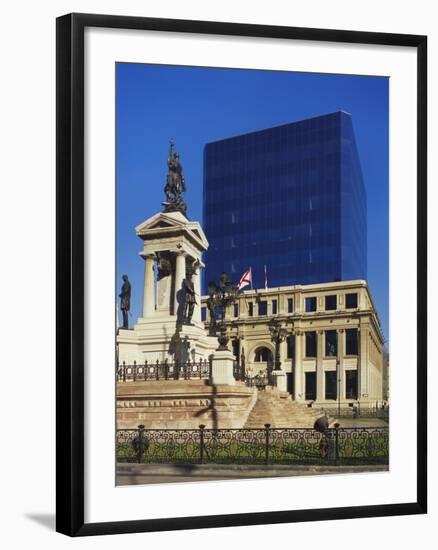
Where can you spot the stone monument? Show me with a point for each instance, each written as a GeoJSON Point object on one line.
{"type": "Point", "coordinates": [170, 331]}
{"type": "Point", "coordinates": [172, 252]}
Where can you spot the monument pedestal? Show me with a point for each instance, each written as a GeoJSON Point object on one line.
{"type": "Point", "coordinates": [222, 368]}
{"type": "Point", "coordinates": [183, 404]}
{"type": "Point", "coordinates": [164, 339]}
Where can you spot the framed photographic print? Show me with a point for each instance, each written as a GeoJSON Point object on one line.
{"type": "Point", "coordinates": [241, 267]}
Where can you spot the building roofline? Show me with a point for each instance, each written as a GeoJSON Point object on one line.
{"type": "Point", "coordinates": [316, 287]}
{"type": "Point", "coordinates": [278, 126]}
{"type": "Point", "coordinates": [354, 283]}
{"type": "Point", "coordinates": [313, 286]}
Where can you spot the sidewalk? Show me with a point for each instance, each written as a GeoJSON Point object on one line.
{"type": "Point", "coordinates": [142, 474]}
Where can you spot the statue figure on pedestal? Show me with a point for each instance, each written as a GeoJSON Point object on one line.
{"type": "Point", "coordinates": [211, 306]}
{"type": "Point", "coordinates": [189, 299]}
{"type": "Point", "coordinates": [125, 300]}
{"type": "Point", "coordinates": [164, 267]}
{"type": "Point", "coordinates": [175, 184]}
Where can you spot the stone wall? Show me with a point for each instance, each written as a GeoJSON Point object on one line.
{"type": "Point", "coordinates": [183, 404]}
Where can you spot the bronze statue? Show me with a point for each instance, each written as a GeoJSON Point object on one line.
{"type": "Point", "coordinates": [225, 283]}
{"type": "Point", "coordinates": [125, 300]}
{"type": "Point", "coordinates": [164, 266]}
{"type": "Point", "coordinates": [175, 184]}
{"type": "Point", "coordinates": [211, 306]}
{"type": "Point", "coordinates": [189, 299]}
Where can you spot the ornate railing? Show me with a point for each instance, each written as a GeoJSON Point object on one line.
{"type": "Point", "coordinates": [239, 372]}
{"type": "Point", "coordinates": [254, 446]}
{"type": "Point", "coordinates": [162, 371]}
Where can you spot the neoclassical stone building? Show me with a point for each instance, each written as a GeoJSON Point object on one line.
{"type": "Point", "coordinates": [333, 340]}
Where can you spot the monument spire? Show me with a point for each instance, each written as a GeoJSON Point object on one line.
{"type": "Point", "coordinates": [175, 183]}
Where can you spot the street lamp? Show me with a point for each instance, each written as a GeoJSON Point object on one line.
{"type": "Point", "coordinates": [222, 296]}
{"type": "Point", "coordinates": [278, 334]}
{"type": "Point", "coordinates": [338, 372]}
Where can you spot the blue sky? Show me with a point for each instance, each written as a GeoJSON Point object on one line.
{"type": "Point", "coordinates": [193, 105]}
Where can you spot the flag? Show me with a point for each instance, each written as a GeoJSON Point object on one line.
{"type": "Point", "coordinates": [266, 278]}
{"type": "Point", "coordinates": [246, 279]}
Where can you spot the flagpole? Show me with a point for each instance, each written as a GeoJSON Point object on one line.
{"type": "Point", "coordinates": [249, 272]}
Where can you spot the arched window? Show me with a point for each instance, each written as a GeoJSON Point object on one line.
{"type": "Point", "coordinates": [263, 354]}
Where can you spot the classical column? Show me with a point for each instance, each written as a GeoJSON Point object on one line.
{"type": "Point", "coordinates": [340, 374]}
{"type": "Point", "coordinates": [362, 360]}
{"type": "Point", "coordinates": [180, 273]}
{"type": "Point", "coordinates": [197, 286]}
{"type": "Point", "coordinates": [283, 352]}
{"type": "Point", "coordinates": [279, 378]}
{"type": "Point", "coordinates": [298, 367]}
{"type": "Point", "coordinates": [149, 286]}
{"type": "Point", "coordinates": [319, 366]}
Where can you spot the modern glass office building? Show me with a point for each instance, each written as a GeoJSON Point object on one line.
{"type": "Point", "coordinates": [291, 197]}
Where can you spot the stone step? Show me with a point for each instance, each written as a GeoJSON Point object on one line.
{"type": "Point", "coordinates": [277, 409]}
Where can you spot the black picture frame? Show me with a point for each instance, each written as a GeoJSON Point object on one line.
{"type": "Point", "coordinates": [70, 273]}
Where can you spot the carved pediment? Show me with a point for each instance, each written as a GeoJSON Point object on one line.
{"type": "Point", "coordinates": [162, 220]}
{"type": "Point", "coordinates": [162, 224]}
{"type": "Point", "coordinates": [169, 223]}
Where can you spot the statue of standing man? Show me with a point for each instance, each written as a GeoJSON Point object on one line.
{"type": "Point", "coordinates": [189, 299]}
{"type": "Point", "coordinates": [125, 300]}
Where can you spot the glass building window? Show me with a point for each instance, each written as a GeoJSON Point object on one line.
{"type": "Point", "coordinates": [274, 307]}
{"type": "Point", "coordinates": [236, 310]}
{"type": "Point", "coordinates": [235, 344]}
{"type": "Point", "coordinates": [263, 355]}
{"type": "Point", "coordinates": [290, 305]}
{"type": "Point", "coordinates": [250, 309]}
{"type": "Point", "coordinates": [331, 385]}
{"type": "Point", "coordinates": [331, 343]}
{"type": "Point", "coordinates": [330, 302]}
{"type": "Point", "coordinates": [310, 382]}
{"type": "Point", "coordinates": [308, 173]}
{"type": "Point", "coordinates": [351, 384]}
{"type": "Point", "coordinates": [351, 300]}
{"type": "Point", "coordinates": [310, 304]}
{"type": "Point", "coordinates": [263, 308]}
{"type": "Point", "coordinates": [351, 341]}
{"type": "Point", "coordinates": [311, 344]}
{"type": "Point", "coordinates": [203, 313]}
{"type": "Point", "coordinates": [290, 342]}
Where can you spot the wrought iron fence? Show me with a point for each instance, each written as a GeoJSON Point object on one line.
{"type": "Point", "coordinates": [163, 371]}
{"type": "Point", "coordinates": [254, 446]}
{"type": "Point", "coordinates": [239, 372]}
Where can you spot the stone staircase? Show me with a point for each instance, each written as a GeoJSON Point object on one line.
{"type": "Point", "coordinates": [276, 408]}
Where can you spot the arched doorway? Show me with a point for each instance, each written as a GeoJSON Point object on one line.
{"type": "Point", "coordinates": [263, 361]}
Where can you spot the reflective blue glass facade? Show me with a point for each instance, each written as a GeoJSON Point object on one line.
{"type": "Point", "coordinates": [289, 197]}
